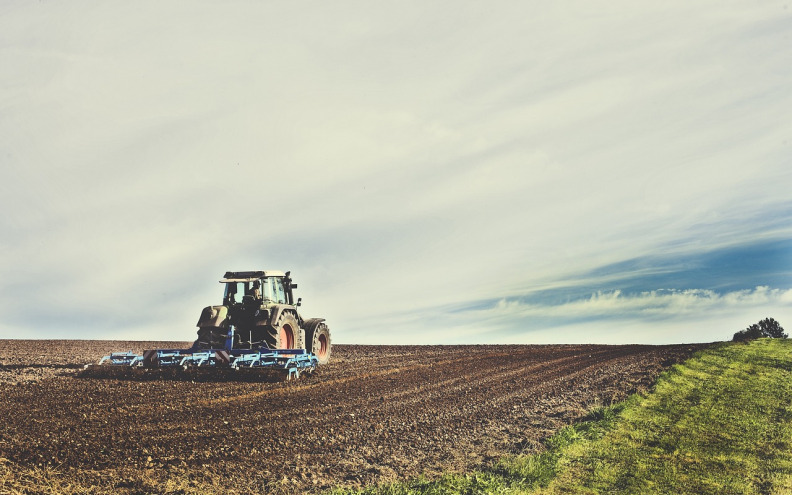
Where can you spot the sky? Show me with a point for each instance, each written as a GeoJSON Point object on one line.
{"type": "Point", "coordinates": [444, 172]}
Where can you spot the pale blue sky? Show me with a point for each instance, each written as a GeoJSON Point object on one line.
{"type": "Point", "coordinates": [444, 172]}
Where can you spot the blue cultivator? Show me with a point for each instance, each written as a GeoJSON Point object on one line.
{"type": "Point", "coordinates": [280, 364]}
{"type": "Point", "coordinates": [291, 361]}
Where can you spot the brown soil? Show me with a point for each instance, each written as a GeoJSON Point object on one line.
{"type": "Point", "coordinates": [373, 414]}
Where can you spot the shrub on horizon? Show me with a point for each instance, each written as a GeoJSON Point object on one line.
{"type": "Point", "coordinates": [765, 328]}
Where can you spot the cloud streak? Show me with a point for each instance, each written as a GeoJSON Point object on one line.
{"type": "Point", "coordinates": [665, 303]}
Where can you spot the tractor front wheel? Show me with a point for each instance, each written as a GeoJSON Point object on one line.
{"type": "Point", "coordinates": [286, 333]}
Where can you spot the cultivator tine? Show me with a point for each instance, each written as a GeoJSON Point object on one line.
{"type": "Point", "coordinates": [121, 358]}
{"type": "Point", "coordinates": [196, 359]}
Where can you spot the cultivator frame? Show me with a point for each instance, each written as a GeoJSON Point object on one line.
{"type": "Point", "coordinates": [283, 364]}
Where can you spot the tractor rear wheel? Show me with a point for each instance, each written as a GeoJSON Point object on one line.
{"type": "Point", "coordinates": [318, 339]}
{"type": "Point", "coordinates": [286, 333]}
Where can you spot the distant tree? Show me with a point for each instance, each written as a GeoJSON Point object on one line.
{"type": "Point", "coordinates": [772, 328]}
{"type": "Point", "coordinates": [765, 328]}
{"type": "Point", "coordinates": [750, 333]}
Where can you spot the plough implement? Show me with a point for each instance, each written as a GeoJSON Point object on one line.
{"type": "Point", "coordinates": [257, 330]}
{"type": "Point", "coordinates": [266, 364]}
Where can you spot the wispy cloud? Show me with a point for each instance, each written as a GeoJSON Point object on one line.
{"type": "Point", "coordinates": [654, 317]}
{"type": "Point", "coordinates": [664, 303]}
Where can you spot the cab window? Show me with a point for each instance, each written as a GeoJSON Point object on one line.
{"type": "Point", "coordinates": [266, 290]}
{"type": "Point", "coordinates": [234, 291]}
{"type": "Point", "coordinates": [278, 291]}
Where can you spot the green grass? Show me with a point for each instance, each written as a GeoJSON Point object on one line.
{"type": "Point", "coordinates": [720, 423]}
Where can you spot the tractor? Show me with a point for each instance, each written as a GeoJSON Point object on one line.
{"type": "Point", "coordinates": [259, 311]}
{"type": "Point", "coordinates": [256, 329]}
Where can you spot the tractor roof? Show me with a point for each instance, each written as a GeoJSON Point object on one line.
{"type": "Point", "coordinates": [250, 276]}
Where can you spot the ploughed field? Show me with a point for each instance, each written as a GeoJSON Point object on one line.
{"type": "Point", "coordinates": [373, 414]}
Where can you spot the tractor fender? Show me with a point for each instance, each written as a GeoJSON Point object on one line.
{"type": "Point", "coordinates": [312, 323]}
{"type": "Point", "coordinates": [277, 310]}
{"type": "Point", "coordinates": [213, 316]}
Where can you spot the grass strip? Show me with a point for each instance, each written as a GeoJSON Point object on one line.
{"type": "Point", "coordinates": [719, 423]}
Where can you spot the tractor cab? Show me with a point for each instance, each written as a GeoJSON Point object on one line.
{"type": "Point", "coordinates": [263, 287]}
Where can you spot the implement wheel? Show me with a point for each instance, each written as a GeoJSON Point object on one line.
{"type": "Point", "coordinates": [318, 339]}
{"type": "Point", "coordinates": [286, 333]}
